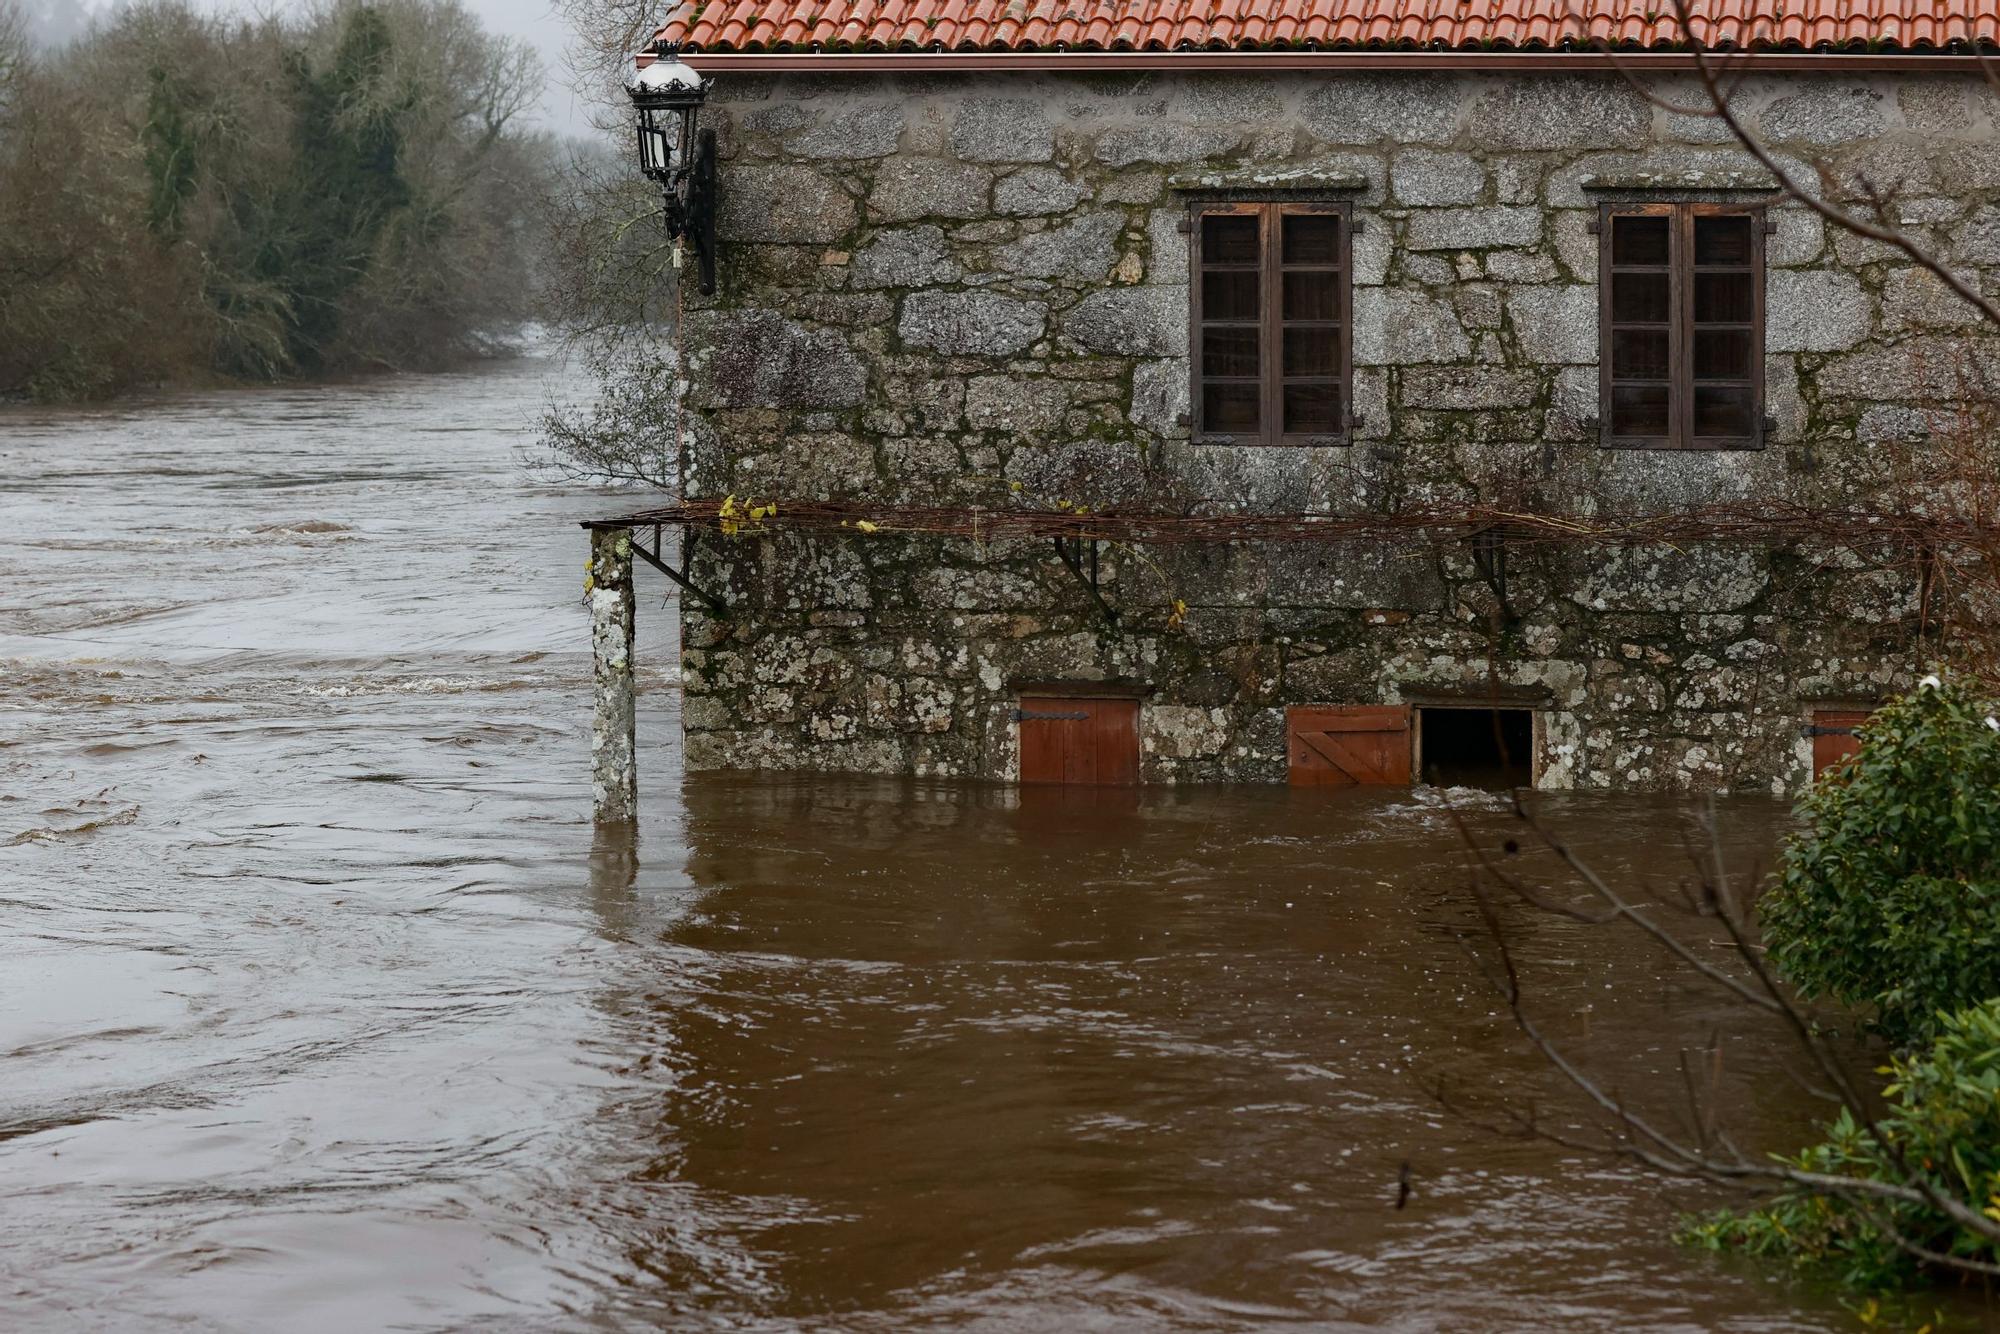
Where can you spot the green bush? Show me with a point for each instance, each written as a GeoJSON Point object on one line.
{"type": "Point", "coordinates": [1944, 1120]}
{"type": "Point", "coordinates": [1890, 896]}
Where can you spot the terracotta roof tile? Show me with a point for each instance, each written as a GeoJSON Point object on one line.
{"type": "Point", "coordinates": [1252, 25]}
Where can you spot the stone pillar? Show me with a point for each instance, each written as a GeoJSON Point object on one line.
{"type": "Point", "coordinates": [614, 778]}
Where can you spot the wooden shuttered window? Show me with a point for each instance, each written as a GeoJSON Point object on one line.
{"type": "Point", "coordinates": [1681, 323]}
{"type": "Point", "coordinates": [1087, 741]}
{"type": "Point", "coordinates": [1270, 323]}
{"type": "Point", "coordinates": [1352, 745]}
{"type": "Point", "coordinates": [1833, 739]}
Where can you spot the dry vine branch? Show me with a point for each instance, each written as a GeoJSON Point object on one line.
{"type": "Point", "coordinates": [1856, 528]}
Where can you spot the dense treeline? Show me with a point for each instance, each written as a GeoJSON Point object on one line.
{"type": "Point", "coordinates": [186, 198]}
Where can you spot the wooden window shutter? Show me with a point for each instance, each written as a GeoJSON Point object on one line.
{"type": "Point", "coordinates": [1636, 326]}
{"type": "Point", "coordinates": [1083, 741]}
{"type": "Point", "coordinates": [1833, 739]}
{"type": "Point", "coordinates": [1356, 745]}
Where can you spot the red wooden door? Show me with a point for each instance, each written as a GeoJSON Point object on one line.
{"type": "Point", "coordinates": [1357, 745]}
{"type": "Point", "coordinates": [1833, 739]}
{"type": "Point", "coordinates": [1087, 742]}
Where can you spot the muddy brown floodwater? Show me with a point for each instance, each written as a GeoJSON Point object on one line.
{"type": "Point", "coordinates": [320, 1009]}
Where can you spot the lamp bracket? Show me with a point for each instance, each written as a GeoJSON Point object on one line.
{"type": "Point", "coordinates": [701, 209]}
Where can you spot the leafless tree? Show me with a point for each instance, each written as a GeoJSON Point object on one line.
{"type": "Point", "coordinates": [13, 52]}
{"type": "Point", "coordinates": [1682, 922]}
{"type": "Point", "coordinates": [604, 36]}
{"type": "Point", "coordinates": [613, 292]}
{"type": "Point", "coordinates": [1950, 474]}
{"type": "Point", "coordinates": [1860, 206]}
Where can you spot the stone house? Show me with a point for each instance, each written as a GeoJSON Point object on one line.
{"type": "Point", "coordinates": [1147, 257]}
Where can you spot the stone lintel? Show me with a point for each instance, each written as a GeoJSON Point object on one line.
{"type": "Point", "coordinates": [1496, 695]}
{"type": "Point", "coordinates": [1266, 182]}
{"type": "Point", "coordinates": [1682, 183]}
{"type": "Point", "coordinates": [1119, 688]}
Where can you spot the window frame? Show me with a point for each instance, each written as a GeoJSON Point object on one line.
{"type": "Point", "coordinates": [1681, 270]}
{"type": "Point", "coordinates": [1271, 323]}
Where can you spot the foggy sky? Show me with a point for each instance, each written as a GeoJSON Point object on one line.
{"type": "Point", "coordinates": [532, 20]}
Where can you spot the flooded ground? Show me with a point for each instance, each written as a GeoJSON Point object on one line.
{"type": "Point", "coordinates": [321, 1010]}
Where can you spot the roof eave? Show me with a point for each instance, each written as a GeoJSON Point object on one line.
{"type": "Point", "coordinates": [1489, 61]}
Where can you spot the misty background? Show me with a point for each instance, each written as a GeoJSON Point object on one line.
{"type": "Point", "coordinates": [290, 190]}
{"type": "Point", "coordinates": [535, 22]}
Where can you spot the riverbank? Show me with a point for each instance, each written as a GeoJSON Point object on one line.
{"type": "Point", "coordinates": [476, 352]}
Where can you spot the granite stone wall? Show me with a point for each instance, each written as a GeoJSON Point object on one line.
{"type": "Point", "coordinates": [973, 289]}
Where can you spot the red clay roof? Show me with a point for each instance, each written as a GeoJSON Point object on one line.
{"type": "Point", "coordinates": [998, 26]}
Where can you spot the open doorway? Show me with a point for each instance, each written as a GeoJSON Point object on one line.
{"type": "Point", "coordinates": [1476, 747]}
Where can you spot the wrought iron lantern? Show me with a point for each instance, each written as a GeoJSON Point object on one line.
{"type": "Point", "coordinates": [675, 152]}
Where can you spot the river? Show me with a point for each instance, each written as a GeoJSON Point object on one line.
{"type": "Point", "coordinates": [322, 1009]}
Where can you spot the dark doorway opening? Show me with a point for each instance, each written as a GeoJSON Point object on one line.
{"type": "Point", "coordinates": [1489, 748]}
